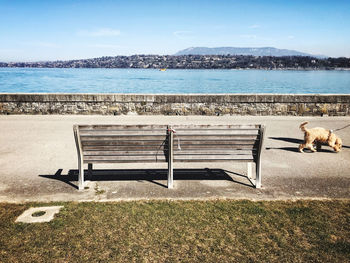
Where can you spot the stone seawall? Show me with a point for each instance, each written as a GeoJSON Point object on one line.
{"type": "Point", "coordinates": [182, 104]}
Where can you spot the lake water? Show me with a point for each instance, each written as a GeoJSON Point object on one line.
{"type": "Point", "coordinates": [146, 81]}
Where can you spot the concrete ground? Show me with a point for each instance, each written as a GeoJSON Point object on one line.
{"type": "Point", "coordinates": [38, 162]}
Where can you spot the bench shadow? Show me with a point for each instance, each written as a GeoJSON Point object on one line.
{"type": "Point", "coordinates": [296, 148]}
{"type": "Point", "coordinates": [149, 175]}
{"type": "Point", "coordinates": [290, 149]}
{"type": "Point", "coordinates": [286, 139]}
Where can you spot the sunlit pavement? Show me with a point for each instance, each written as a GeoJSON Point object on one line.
{"type": "Point", "coordinates": [38, 162]}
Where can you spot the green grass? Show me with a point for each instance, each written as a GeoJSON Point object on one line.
{"type": "Point", "coordinates": [186, 231]}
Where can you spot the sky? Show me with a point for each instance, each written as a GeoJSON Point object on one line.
{"type": "Point", "coordinates": [60, 30]}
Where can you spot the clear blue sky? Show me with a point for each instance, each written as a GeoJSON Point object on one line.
{"type": "Point", "coordinates": [49, 30]}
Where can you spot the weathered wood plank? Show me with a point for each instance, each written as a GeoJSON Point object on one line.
{"type": "Point", "coordinates": [162, 152]}
{"type": "Point", "coordinates": [124, 143]}
{"type": "Point", "coordinates": [214, 152]}
{"type": "Point", "coordinates": [182, 144]}
{"type": "Point", "coordinates": [164, 146]}
{"type": "Point", "coordinates": [123, 138]}
{"type": "Point", "coordinates": [214, 126]}
{"type": "Point", "coordinates": [213, 157]}
{"type": "Point", "coordinates": [204, 147]}
{"type": "Point", "coordinates": [216, 132]}
{"type": "Point", "coordinates": [124, 148]}
{"type": "Point", "coordinates": [179, 133]}
{"type": "Point", "coordinates": [132, 158]}
{"type": "Point", "coordinates": [215, 142]}
{"type": "Point", "coordinates": [124, 153]}
{"type": "Point", "coordinates": [122, 127]}
{"type": "Point", "coordinates": [208, 143]}
{"type": "Point", "coordinates": [141, 160]}
{"type": "Point", "coordinates": [212, 160]}
{"type": "Point", "coordinates": [121, 132]}
{"type": "Point", "coordinates": [211, 137]}
{"type": "Point", "coordinates": [125, 157]}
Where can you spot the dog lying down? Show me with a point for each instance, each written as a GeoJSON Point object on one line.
{"type": "Point", "coordinates": [319, 136]}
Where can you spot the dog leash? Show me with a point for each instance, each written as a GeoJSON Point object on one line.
{"type": "Point", "coordinates": [178, 138]}
{"type": "Point", "coordinates": [332, 131]}
{"type": "Point", "coordinates": [340, 128]}
{"type": "Point", "coordinates": [163, 143]}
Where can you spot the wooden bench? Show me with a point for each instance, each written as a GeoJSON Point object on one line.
{"type": "Point", "coordinates": [169, 143]}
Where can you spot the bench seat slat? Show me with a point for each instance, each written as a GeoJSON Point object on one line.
{"type": "Point", "coordinates": [160, 141]}
{"type": "Point", "coordinates": [214, 142]}
{"type": "Point", "coordinates": [161, 147]}
{"type": "Point", "coordinates": [191, 134]}
{"type": "Point", "coordinates": [125, 153]}
{"type": "Point", "coordinates": [124, 143]}
{"type": "Point", "coordinates": [101, 159]}
{"type": "Point", "coordinates": [213, 152]}
{"type": "Point", "coordinates": [123, 137]}
{"type": "Point", "coordinates": [164, 161]}
{"type": "Point", "coordinates": [123, 147]}
{"type": "Point", "coordinates": [159, 144]}
{"type": "Point", "coordinates": [160, 152]}
{"type": "Point", "coordinates": [212, 157]}
{"type": "Point", "coordinates": [215, 132]}
{"type": "Point", "coordinates": [122, 127]}
{"type": "Point", "coordinates": [210, 137]}
{"type": "Point", "coordinates": [223, 147]}
{"type": "Point", "coordinates": [182, 136]}
{"type": "Point", "coordinates": [121, 132]}
{"type": "Point", "coordinates": [141, 160]}
{"type": "Point", "coordinates": [125, 158]}
{"type": "Point", "coordinates": [214, 126]}
{"type": "Point", "coordinates": [212, 160]}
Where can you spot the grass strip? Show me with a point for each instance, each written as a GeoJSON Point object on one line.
{"type": "Point", "coordinates": [186, 231]}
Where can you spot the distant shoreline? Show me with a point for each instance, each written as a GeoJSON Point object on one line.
{"type": "Point", "coordinates": [195, 62]}
{"type": "Point", "coordinates": [234, 69]}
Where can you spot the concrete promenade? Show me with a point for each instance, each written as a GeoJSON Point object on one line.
{"type": "Point", "coordinates": [38, 162]}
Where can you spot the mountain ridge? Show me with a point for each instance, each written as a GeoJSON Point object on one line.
{"type": "Point", "coordinates": [245, 51]}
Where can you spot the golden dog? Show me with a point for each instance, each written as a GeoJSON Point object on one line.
{"type": "Point", "coordinates": [319, 136]}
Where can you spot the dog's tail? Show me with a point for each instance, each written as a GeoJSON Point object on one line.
{"type": "Point", "coordinates": [302, 126]}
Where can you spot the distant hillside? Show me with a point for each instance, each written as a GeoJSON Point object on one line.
{"type": "Point", "coordinates": [194, 62]}
{"type": "Point", "coordinates": [259, 51]}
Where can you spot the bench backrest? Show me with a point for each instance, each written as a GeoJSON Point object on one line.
{"type": "Point", "coordinates": [150, 143]}
{"type": "Point", "coordinates": [122, 143]}
{"type": "Point", "coordinates": [196, 143]}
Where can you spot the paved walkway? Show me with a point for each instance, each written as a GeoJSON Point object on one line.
{"type": "Point", "coordinates": [38, 162]}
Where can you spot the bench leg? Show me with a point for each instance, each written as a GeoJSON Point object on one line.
{"type": "Point", "coordinates": [249, 168]}
{"type": "Point", "coordinates": [81, 176]}
{"type": "Point", "coordinates": [170, 158]}
{"type": "Point", "coordinates": [89, 177]}
{"type": "Point", "coordinates": [258, 175]}
{"type": "Point", "coordinates": [170, 175]}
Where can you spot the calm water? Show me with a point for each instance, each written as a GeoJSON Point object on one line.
{"type": "Point", "coordinates": [36, 80]}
